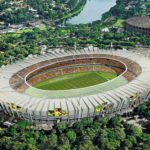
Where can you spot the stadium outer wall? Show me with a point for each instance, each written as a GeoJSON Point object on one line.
{"type": "Point", "coordinates": [70, 109]}
{"type": "Point", "coordinates": [139, 24]}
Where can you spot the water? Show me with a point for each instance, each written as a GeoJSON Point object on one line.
{"type": "Point", "coordinates": [92, 11]}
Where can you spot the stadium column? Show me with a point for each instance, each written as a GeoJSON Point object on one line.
{"type": "Point", "coordinates": [9, 110]}
{"type": "Point", "coordinates": [79, 112]}
{"type": "Point", "coordinates": [29, 114]}
{"type": "Point", "coordinates": [122, 106]}
{"type": "Point", "coordinates": [148, 96]}
{"type": "Point", "coordinates": [4, 107]}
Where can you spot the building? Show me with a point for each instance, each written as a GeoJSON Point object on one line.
{"type": "Point", "coordinates": [20, 99]}
{"type": "Point", "coordinates": [138, 24]}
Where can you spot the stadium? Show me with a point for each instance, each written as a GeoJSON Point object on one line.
{"type": "Point", "coordinates": [71, 85]}
{"type": "Point", "coordinates": [138, 24]}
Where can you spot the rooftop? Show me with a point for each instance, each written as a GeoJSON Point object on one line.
{"type": "Point", "coordinates": [41, 103]}
{"type": "Point", "coordinates": [140, 21]}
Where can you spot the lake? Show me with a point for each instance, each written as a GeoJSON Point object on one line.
{"type": "Point", "coordinates": [92, 11]}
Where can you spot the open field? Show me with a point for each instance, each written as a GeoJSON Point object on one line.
{"type": "Point", "coordinates": [75, 80]}
{"type": "Point", "coordinates": [119, 23]}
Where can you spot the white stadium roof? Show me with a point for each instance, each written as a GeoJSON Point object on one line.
{"type": "Point", "coordinates": [37, 101]}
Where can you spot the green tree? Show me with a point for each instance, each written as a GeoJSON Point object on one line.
{"type": "Point", "coordinates": [71, 136]}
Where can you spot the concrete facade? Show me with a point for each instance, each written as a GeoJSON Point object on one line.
{"type": "Point", "coordinates": [108, 98]}
{"type": "Point", "coordinates": [138, 24]}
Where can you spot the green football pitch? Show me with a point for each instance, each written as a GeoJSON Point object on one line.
{"type": "Point", "coordinates": [75, 80]}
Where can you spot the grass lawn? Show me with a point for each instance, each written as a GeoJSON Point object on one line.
{"type": "Point", "coordinates": [75, 80]}
{"type": "Point", "coordinates": [119, 23]}
{"type": "Point", "coordinates": [24, 31]}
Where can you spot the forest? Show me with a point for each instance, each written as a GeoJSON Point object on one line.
{"type": "Point", "coordinates": [14, 12]}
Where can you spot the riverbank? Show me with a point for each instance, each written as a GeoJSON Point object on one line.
{"type": "Point", "coordinates": [74, 12]}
